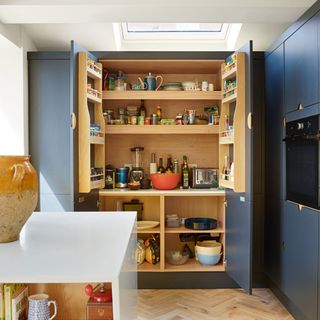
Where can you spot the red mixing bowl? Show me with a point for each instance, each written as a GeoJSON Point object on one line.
{"type": "Point", "coordinates": [163, 181]}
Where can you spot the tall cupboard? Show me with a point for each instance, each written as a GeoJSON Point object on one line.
{"type": "Point", "coordinates": [77, 151]}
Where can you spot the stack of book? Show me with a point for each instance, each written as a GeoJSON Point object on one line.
{"type": "Point", "coordinates": [13, 301]}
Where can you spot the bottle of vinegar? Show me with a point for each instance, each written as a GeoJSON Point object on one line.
{"type": "Point", "coordinates": [185, 173]}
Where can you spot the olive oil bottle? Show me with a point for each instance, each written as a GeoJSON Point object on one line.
{"type": "Point", "coordinates": [185, 173]}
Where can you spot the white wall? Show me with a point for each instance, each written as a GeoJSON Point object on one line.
{"type": "Point", "coordinates": [14, 44]}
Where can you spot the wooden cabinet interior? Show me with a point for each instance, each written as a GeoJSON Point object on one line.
{"type": "Point", "coordinates": [233, 146]}
{"type": "Point", "coordinates": [157, 206]}
{"type": "Point", "coordinates": [91, 149]}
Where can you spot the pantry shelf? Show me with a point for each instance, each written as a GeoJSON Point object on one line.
{"type": "Point", "coordinates": [96, 140]}
{"type": "Point", "coordinates": [193, 266]}
{"type": "Point", "coordinates": [148, 267]}
{"type": "Point", "coordinates": [185, 230]}
{"type": "Point", "coordinates": [226, 184]}
{"type": "Point", "coordinates": [93, 98]}
{"type": "Point", "coordinates": [226, 140]}
{"type": "Point", "coordinates": [93, 74]}
{"type": "Point", "coordinates": [230, 74]}
{"type": "Point", "coordinates": [151, 230]}
{"type": "Point", "coordinates": [162, 129]}
{"type": "Point", "coordinates": [161, 95]}
{"type": "Point", "coordinates": [230, 98]}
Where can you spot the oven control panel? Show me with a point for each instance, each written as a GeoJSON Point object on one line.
{"type": "Point", "coordinates": [303, 127]}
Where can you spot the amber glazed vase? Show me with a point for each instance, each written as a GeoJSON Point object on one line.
{"type": "Point", "coordinates": [18, 195]}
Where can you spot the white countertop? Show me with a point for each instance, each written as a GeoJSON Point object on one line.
{"type": "Point", "coordinates": [68, 247]}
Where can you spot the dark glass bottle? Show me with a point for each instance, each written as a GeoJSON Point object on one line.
{"type": "Point", "coordinates": [161, 169]}
{"type": "Point", "coordinates": [185, 173]}
{"type": "Point", "coordinates": [169, 167]}
{"type": "Point", "coordinates": [142, 110]}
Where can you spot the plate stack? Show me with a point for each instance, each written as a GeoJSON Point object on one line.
{"type": "Point", "coordinates": [172, 86]}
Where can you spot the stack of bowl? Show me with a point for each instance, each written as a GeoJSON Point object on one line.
{"type": "Point", "coordinates": [208, 252]}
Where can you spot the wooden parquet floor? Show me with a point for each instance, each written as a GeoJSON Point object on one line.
{"type": "Point", "coordinates": [222, 304]}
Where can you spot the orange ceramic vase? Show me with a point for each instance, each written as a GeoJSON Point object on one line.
{"type": "Point", "coordinates": [18, 195]}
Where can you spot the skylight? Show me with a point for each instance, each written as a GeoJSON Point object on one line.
{"type": "Point", "coordinates": [174, 31]}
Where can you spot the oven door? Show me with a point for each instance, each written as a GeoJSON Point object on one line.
{"type": "Point", "coordinates": [302, 171]}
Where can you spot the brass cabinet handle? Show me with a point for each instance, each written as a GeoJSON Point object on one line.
{"type": "Point", "coordinates": [73, 120]}
{"type": "Point", "coordinates": [225, 203]}
{"type": "Point", "coordinates": [300, 207]}
{"type": "Point", "coordinates": [283, 121]}
{"type": "Point", "coordinates": [300, 106]}
{"type": "Point", "coordinates": [249, 120]}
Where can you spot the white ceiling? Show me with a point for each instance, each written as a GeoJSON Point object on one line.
{"type": "Point", "coordinates": [53, 23]}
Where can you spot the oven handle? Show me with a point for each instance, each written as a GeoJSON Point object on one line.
{"type": "Point", "coordinates": [314, 137]}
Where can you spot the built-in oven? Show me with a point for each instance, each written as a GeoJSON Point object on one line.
{"type": "Point", "coordinates": [302, 161]}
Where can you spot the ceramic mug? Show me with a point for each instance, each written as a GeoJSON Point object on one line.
{"type": "Point", "coordinates": [39, 307]}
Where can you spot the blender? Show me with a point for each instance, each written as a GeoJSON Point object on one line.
{"type": "Point", "coordinates": [136, 173]}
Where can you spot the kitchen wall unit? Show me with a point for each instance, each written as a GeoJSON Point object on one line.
{"type": "Point", "coordinates": [292, 243]}
{"type": "Point", "coordinates": [302, 67]}
{"type": "Point", "coordinates": [199, 142]}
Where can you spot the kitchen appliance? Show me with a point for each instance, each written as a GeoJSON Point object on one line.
{"type": "Point", "coordinates": [122, 177]}
{"type": "Point", "coordinates": [302, 161]}
{"type": "Point", "coordinates": [99, 305]}
{"type": "Point", "coordinates": [134, 205]}
{"type": "Point", "coordinates": [137, 171]}
{"type": "Point", "coordinates": [204, 178]}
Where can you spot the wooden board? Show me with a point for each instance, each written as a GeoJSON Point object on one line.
{"type": "Point", "coordinates": [200, 149]}
{"type": "Point", "coordinates": [182, 229]}
{"type": "Point", "coordinates": [158, 66]}
{"type": "Point", "coordinates": [161, 129]}
{"type": "Point", "coordinates": [161, 95]}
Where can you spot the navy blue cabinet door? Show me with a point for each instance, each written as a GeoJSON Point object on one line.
{"type": "Point", "coordinates": [300, 258]}
{"type": "Point", "coordinates": [274, 70]}
{"type": "Point", "coordinates": [302, 66]}
{"type": "Point", "coordinates": [239, 205]}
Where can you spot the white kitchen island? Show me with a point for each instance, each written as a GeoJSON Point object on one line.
{"type": "Point", "coordinates": [77, 247]}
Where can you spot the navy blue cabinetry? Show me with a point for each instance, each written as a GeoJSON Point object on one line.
{"type": "Point", "coordinates": [302, 66]}
{"type": "Point", "coordinates": [300, 258]}
{"type": "Point", "coordinates": [274, 66]}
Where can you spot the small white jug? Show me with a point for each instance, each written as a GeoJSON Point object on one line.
{"type": "Point", "coordinates": [39, 307]}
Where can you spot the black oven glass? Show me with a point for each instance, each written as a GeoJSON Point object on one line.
{"type": "Point", "coordinates": [302, 161]}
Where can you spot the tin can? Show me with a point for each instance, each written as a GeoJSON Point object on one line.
{"type": "Point", "coordinates": [147, 120]}
{"type": "Point", "coordinates": [110, 179]}
{"type": "Point", "coordinates": [176, 166]}
{"type": "Point", "coordinates": [133, 119]}
{"type": "Point", "coordinates": [154, 119]}
{"type": "Point", "coordinates": [140, 120]}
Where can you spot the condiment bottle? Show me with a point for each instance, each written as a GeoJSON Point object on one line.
{"type": "Point", "coordinates": [161, 168]}
{"type": "Point", "coordinates": [142, 110]}
{"type": "Point", "coordinates": [159, 113]}
{"type": "Point", "coordinates": [185, 173]}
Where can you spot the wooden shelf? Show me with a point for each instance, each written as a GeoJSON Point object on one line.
{"type": "Point", "coordinates": [93, 98]}
{"type": "Point", "coordinates": [161, 95]}
{"type": "Point", "coordinates": [226, 184]}
{"type": "Point", "coordinates": [182, 229]}
{"type": "Point", "coordinates": [163, 66]}
{"type": "Point", "coordinates": [162, 129]}
{"type": "Point", "coordinates": [230, 74]}
{"type": "Point", "coordinates": [167, 193]}
{"type": "Point", "coordinates": [147, 267]}
{"type": "Point", "coordinates": [97, 184]}
{"type": "Point", "coordinates": [96, 175]}
{"type": "Point", "coordinates": [230, 98]}
{"type": "Point", "coordinates": [151, 230]}
{"type": "Point", "coordinates": [96, 140]}
{"type": "Point", "coordinates": [93, 74]}
{"type": "Point", "coordinates": [194, 266]}
{"type": "Point", "coordinates": [226, 140]}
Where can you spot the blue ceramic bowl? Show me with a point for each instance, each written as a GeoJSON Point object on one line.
{"type": "Point", "coordinates": [209, 259]}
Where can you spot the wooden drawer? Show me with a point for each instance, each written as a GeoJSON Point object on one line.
{"type": "Point", "coordinates": [99, 311]}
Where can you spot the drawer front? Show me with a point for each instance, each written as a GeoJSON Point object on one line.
{"type": "Point", "coordinates": [99, 311]}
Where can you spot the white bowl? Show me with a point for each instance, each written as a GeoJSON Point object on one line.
{"type": "Point", "coordinates": [208, 247]}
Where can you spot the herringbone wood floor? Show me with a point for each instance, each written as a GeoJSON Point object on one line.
{"type": "Point", "coordinates": [222, 304]}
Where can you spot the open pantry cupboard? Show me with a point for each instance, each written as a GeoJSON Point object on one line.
{"type": "Point", "coordinates": [205, 145]}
